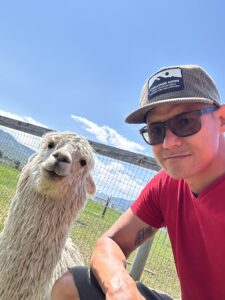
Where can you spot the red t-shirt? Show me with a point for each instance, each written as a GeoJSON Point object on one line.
{"type": "Point", "coordinates": [196, 227]}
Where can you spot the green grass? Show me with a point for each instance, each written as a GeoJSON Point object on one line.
{"type": "Point", "coordinates": [159, 270]}
{"type": "Point", "coordinates": [8, 181]}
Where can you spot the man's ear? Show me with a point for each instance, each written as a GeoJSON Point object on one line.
{"type": "Point", "coordinates": [220, 113]}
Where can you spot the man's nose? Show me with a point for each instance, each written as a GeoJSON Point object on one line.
{"type": "Point", "coordinates": [171, 140]}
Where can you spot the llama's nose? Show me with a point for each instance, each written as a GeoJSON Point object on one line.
{"type": "Point", "coordinates": [62, 156]}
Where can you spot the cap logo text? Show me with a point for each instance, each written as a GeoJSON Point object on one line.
{"type": "Point", "coordinates": [165, 81]}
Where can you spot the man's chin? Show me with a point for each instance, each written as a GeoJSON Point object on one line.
{"type": "Point", "coordinates": [176, 173]}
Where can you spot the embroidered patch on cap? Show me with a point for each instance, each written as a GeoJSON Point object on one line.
{"type": "Point", "coordinates": [165, 81]}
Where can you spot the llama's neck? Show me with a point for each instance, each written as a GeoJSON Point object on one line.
{"type": "Point", "coordinates": [34, 235]}
{"type": "Point", "coordinates": [39, 217]}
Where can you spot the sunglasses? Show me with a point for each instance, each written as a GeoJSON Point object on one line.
{"type": "Point", "coordinates": [184, 124]}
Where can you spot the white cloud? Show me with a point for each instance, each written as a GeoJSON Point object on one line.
{"type": "Point", "coordinates": [115, 167]}
{"type": "Point", "coordinates": [109, 136]}
{"type": "Point", "coordinates": [21, 118]}
{"type": "Point", "coordinates": [114, 178]}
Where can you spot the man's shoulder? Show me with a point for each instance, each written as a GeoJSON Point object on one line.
{"type": "Point", "coordinates": [163, 184]}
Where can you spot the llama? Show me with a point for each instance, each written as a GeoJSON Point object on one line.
{"type": "Point", "coordinates": [35, 248]}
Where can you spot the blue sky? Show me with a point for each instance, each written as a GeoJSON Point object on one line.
{"type": "Point", "coordinates": [80, 65]}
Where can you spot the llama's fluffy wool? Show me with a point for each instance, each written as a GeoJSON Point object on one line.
{"type": "Point", "coordinates": [34, 245]}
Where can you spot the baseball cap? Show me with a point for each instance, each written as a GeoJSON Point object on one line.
{"type": "Point", "coordinates": [174, 85]}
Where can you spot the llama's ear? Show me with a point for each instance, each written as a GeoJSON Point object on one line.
{"type": "Point", "coordinates": [90, 185]}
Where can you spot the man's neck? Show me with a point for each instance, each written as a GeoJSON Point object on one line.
{"type": "Point", "coordinates": [199, 182]}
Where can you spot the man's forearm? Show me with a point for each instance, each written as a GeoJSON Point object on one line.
{"type": "Point", "coordinates": [108, 260]}
{"type": "Point", "coordinates": [108, 263]}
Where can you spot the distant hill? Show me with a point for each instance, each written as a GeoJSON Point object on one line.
{"type": "Point", "coordinates": [11, 149]}
{"type": "Point", "coordinates": [114, 202]}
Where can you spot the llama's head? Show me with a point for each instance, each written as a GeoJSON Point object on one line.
{"type": "Point", "coordinates": [62, 166]}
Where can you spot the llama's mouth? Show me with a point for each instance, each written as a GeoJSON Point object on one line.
{"type": "Point", "coordinates": [52, 174]}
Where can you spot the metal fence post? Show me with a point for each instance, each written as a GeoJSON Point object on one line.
{"type": "Point", "coordinates": [140, 259]}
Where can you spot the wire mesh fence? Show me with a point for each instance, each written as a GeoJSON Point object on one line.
{"type": "Point", "coordinates": [119, 176]}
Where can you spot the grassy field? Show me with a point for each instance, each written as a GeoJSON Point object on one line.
{"type": "Point", "coordinates": [8, 181]}
{"type": "Point", "coordinates": [159, 270]}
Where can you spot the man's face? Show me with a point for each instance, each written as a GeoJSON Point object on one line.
{"type": "Point", "coordinates": [187, 157]}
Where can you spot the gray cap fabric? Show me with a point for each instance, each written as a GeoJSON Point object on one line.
{"type": "Point", "coordinates": [174, 85]}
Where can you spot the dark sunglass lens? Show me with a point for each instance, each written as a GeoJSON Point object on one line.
{"type": "Point", "coordinates": [156, 133]}
{"type": "Point", "coordinates": [186, 124]}
{"type": "Point", "coordinates": [145, 136]}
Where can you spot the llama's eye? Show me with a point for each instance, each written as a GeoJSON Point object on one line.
{"type": "Point", "coordinates": [83, 162]}
{"type": "Point", "coordinates": [51, 145]}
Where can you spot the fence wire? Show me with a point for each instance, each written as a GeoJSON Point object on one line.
{"type": "Point", "coordinates": [118, 185]}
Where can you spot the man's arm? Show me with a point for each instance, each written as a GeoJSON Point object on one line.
{"type": "Point", "coordinates": [108, 260]}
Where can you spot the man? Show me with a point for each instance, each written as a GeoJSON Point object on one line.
{"type": "Point", "coordinates": [185, 125]}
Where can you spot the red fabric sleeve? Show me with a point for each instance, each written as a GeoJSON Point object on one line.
{"type": "Point", "coordinates": [148, 205]}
